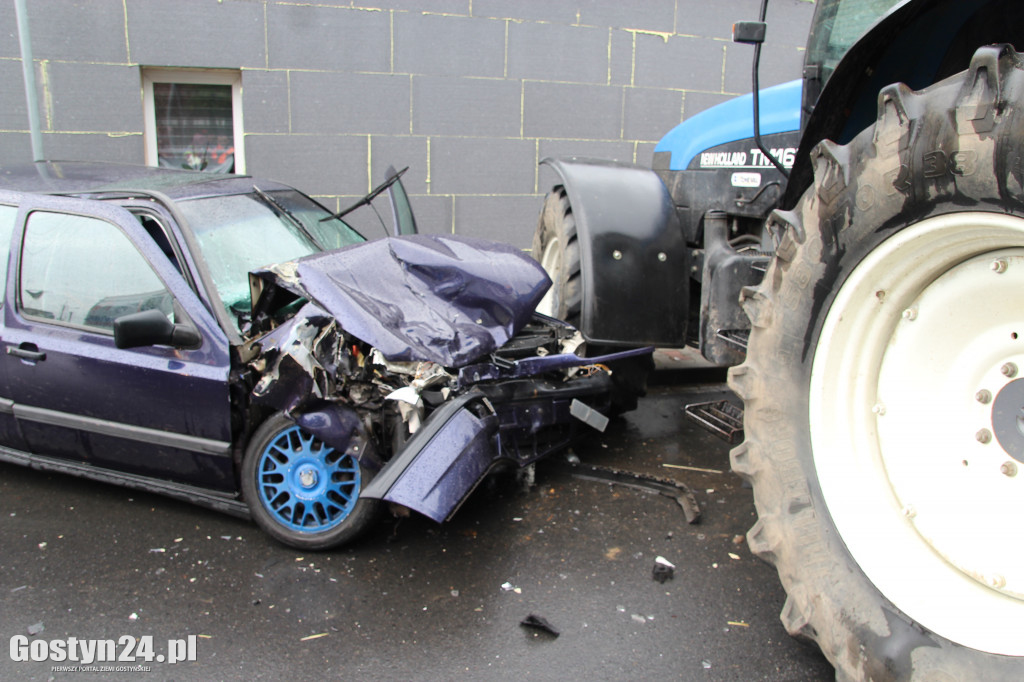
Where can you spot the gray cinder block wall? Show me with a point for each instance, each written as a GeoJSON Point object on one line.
{"type": "Point", "coordinates": [470, 94]}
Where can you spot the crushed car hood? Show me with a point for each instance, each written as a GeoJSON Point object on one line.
{"type": "Point", "coordinates": [444, 299]}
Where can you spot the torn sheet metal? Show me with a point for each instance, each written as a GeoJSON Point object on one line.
{"type": "Point", "coordinates": [447, 299]}
{"type": "Point", "coordinates": [443, 461]}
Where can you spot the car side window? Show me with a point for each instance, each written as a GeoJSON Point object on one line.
{"type": "Point", "coordinates": [7, 216]}
{"type": "Point", "coordinates": [84, 272]}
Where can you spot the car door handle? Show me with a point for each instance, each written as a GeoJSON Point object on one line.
{"type": "Point", "coordinates": [26, 351]}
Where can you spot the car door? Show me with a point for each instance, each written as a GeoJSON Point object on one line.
{"type": "Point", "coordinates": [12, 446]}
{"type": "Point", "coordinates": [155, 410]}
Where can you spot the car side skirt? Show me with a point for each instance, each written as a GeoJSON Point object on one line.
{"type": "Point", "coordinates": [222, 502]}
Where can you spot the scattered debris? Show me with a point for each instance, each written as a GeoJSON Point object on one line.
{"type": "Point", "coordinates": [316, 636]}
{"type": "Point", "coordinates": [663, 570]}
{"type": "Point", "coordinates": [35, 629]}
{"type": "Point", "coordinates": [42, 545]}
{"type": "Point", "coordinates": [509, 587]}
{"type": "Point", "coordinates": [538, 623]}
{"type": "Point", "coordinates": [664, 486]}
{"type": "Point", "coordinates": [738, 539]}
{"type": "Point", "coordinates": [134, 616]}
{"type": "Point", "coordinates": [587, 415]}
{"type": "Point", "coordinates": [157, 550]}
{"type": "Point", "coordinates": [637, 618]}
{"type": "Point", "coordinates": [19, 589]}
{"type": "Point", "coordinates": [698, 469]}
{"type": "Point", "coordinates": [739, 623]}
{"type": "Point", "coordinates": [734, 557]}
{"type": "Point", "coordinates": [706, 664]}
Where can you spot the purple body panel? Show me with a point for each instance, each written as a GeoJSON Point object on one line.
{"type": "Point", "coordinates": [448, 300]}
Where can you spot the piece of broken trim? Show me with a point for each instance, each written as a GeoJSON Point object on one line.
{"type": "Point", "coordinates": [664, 486]}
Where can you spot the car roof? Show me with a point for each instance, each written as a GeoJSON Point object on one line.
{"type": "Point", "coordinates": [92, 177]}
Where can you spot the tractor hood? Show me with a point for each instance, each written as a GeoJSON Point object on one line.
{"type": "Point", "coordinates": [444, 299]}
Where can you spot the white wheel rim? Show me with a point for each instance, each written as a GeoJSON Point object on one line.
{"type": "Point", "coordinates": [551, 261]}
{"type": "Point", "coordinates": [927, 510]}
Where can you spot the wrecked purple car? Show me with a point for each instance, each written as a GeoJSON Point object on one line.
{"type": "Point", "coordinates": [228, 341]}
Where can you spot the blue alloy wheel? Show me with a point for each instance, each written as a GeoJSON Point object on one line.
{"type": "Point", "coordinates": [306, 485]}
{"type": "Point", "coordinates": [302, 491]}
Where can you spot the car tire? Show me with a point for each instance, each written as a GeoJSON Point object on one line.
{"type": "Point", "coordinates": [556, 247]}
{"type": "Point", "coordinates": [886, 334]}
{"type": "Point", "coordinates": [301, 491]}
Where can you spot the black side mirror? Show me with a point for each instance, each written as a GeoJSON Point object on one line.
{"type": "Point", "coordinates": [152, 328]}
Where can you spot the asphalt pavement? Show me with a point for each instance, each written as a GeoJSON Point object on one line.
{"type": "Point", "coordinates": [415, 600]}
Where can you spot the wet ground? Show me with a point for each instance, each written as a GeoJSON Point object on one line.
{"type": "Point", "coordinates": [415, 600]}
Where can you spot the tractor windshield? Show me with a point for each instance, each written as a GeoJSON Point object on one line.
{"type": "Point", "coordinates": [837, 25]}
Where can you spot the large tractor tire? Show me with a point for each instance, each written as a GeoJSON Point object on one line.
{"type": "Point", "coordinates": [883, 388]}
{"type": "Point", "coordinates": [556, 247]}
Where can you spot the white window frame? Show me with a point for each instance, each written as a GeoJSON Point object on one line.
{"type": "Point", "coordinates": [152, 75]}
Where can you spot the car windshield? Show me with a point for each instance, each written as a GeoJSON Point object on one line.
{"type": "Point", "coordinates": [838, 24]}
{"type": "Point", "coordinates": [239, 233]}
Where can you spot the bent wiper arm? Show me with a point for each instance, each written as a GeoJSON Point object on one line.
{"type": "Point", "coordinates": [280, 210]}
{"type": "Point", "coordinates": [374, 193]}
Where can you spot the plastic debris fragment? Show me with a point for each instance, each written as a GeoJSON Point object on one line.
{"type": "Point", "coordinates": [663, 570]}
{"type": "Point", "coordinates": [538, 623]}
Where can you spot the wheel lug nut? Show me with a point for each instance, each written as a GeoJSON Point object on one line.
{"type": "Point", "coordinates": [616, 254]}
{"type": "Point", "coordinates": [984, 436]}
{"type": "Point", "coordinates": [910, 314]}
{"type": "Point", "coordinates": [1008, 469]}
{"type": "Point", "coordinates": [999, 266]}
{"type": "Point", "coordinates": [1009, 370]}
{"type": "Point", "coordinates": [983, 396]}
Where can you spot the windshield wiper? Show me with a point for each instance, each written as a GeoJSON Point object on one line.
{"type": "Point", "coordinates": [281, 211]}
{"type": "Point", "coordinates": [374, 193]}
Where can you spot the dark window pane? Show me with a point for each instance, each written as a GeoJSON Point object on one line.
{"type": "Point", "coordinates": [194, 126]}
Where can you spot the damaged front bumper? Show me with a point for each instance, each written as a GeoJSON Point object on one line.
{"type": "Point", "coordinates": [422, 358]}
{"type": "Point", "coordinates": [508, 419]}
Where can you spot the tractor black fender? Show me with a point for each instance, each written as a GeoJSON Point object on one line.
{"type": "Point", "coordinates": [634, 263]}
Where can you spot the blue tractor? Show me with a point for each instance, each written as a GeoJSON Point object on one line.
{"type": "Point", "coordinates": [857, 259]}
